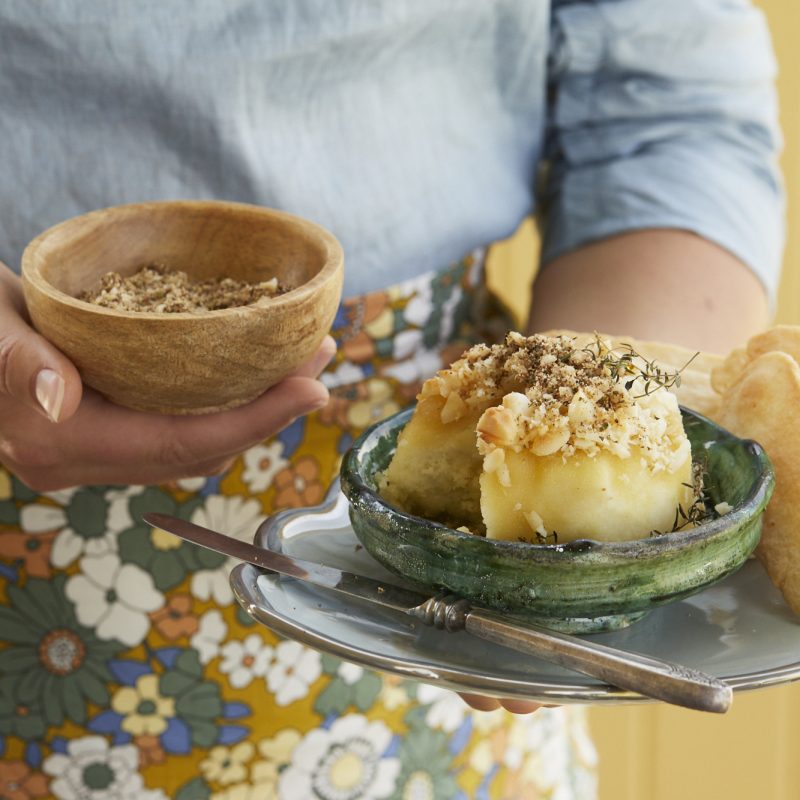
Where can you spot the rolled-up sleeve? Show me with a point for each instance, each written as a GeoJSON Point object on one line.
{"type": "Point", "coordinates": [664, 114]}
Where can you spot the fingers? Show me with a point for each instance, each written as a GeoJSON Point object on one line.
{"type": "Point", "coordinates": [483, 703]}
{"type": "Point", "coordinates": [211, 469]}
{"type": "Point", "coordinates": [113, 441]}
{"type": "Point", "coordinates": [198, 439]}
{"type": "Point", "coordinates": [314, 366]}
{"type": "Point", "coordinates": [229, 432]}
{"type": "Point", "coordinates": [103, 443]}
{"type": "Point", "coordinates": [32, 371]}
{"type": "Point", "coordinates": [520, 706]}
{"type": "Point", "coordinates": [480, 702]}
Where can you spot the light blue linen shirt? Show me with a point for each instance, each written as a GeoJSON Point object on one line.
{"type": "Point", "coordinates": [414, 129]}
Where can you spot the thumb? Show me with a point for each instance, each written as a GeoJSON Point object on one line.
{"type": "Point", "coordinates": [33, 371]}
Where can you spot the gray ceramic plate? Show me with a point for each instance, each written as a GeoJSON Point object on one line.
{"type": "Point", "coordinates": [739, 630]}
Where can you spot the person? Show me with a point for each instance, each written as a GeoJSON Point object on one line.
{"type": "Point", "coordinates": [645, 136]}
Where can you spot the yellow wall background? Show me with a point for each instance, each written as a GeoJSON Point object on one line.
{"type": "Point", "coordinates": [657, 752]}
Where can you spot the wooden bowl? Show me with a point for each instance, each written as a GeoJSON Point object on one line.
{"type": "Point", "coordinates": [185, 363]}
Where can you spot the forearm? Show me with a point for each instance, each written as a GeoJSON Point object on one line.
{"type": "Point", "coordinates": [660, 285]}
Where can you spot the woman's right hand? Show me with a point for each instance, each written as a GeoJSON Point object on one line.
{"type": "Point", "coordinates": [54, 433]}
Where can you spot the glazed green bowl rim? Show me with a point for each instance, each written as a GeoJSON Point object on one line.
{"type": "Point", "coordinates": [363, 497]}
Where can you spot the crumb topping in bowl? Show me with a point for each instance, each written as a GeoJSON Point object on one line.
{"type": "Point", "coordinates": [156, 288]}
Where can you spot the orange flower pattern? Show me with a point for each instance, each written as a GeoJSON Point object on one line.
{"type": "Point", "coordinates": [19, 782]}
{"type": "Point", "coordinates": [175, 620]}
{"type": "Point", "coordinates": [300, 484]}
{"type": "Point", "coordinates": [32, 550]}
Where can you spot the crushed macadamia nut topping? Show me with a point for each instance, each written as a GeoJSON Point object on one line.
{"type": "Point", "coordinates": [555, 397]}
{"type": "Point", "coordinates": [156, 288]}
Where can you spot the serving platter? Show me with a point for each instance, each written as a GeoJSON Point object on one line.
{"type": "Point", "coordinates": [739, 630]}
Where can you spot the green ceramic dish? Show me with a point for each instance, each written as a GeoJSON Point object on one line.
{"type": "Point", "coordinates": [583, 586]}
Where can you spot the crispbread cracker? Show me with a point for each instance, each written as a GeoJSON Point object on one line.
{"type": "Point", "coordinates": [727, 373]}
{"type": "Point", "coordinates": [783, 338]}
{"type": "Point", "coordinates": [763, 405]}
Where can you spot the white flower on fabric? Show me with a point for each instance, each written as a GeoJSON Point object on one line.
{"type": "Point", "coordinates": [114, 598]}
{"type": "Point", "coordinates": [420, 307]}
{"type": "Point", "coordinates": [212, 584]}
{"type": "Point", "coordinates": [261, 464]}
{"type": "Point", "coordinates": [448, 314]}
{"type": "Point", "coordinates": [447, 710]}
{"type": "Point", "coordinates": [92, 769]}
{"type": "Point", "coordinates": [293, 671]}
{"type": "Point", "coordinates": [523, 738]}
{"type": "Point", "coordinates": [345, 374]}
{"type": "Point", "coordinates": [344, 762]}
{"type": "Point", "coordinates": [393, 695]}
{"type": "Point", "coordinates": [406, 343]}
{"type": "Point", "coordinates": [210, 633]}
{"type": "Point", "coordinates": [62, 496]}
{"type": "Point", "coordinates": [119, 516]}
{"type": "Point", "coordinates": [350, 673]}
{"type": "Point", "coordinates": [540, 747]}
{"type": "Point", "coordinates": [482, 757]}
{"type": "Point", "coordinates": [527, 736]}
{"type": "Point", "coordinates": [535, 745]}
{"type": "Point", "coordinates": [243, 661]}
{"type": "Point", "coordinates": [484, 722]}
{"type": "Point", "coordinates": [420, 366]}
{"type": "Point", "coordinates": [234, 516]}
{"type": "Point", "coordinates": [192, 484]}
{"type": "Point", "coordinates": [70, 545]}
{"type": "Point", "coordinates": [38, 518]}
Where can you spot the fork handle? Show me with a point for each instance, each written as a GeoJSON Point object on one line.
{"type": "Point", "coordinates": [651, 677]}
{"type": "Point", "coordinates": [662, 680]}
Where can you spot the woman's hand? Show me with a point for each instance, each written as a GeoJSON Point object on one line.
{"type": "Point", "coordinates": [55, 434]}
{"type": "Point", "coordinates": [482, 703]}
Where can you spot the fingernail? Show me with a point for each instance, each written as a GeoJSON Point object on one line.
{"type": "Point", "coordinates": [50, 393]}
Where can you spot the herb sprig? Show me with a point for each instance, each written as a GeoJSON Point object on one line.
{"type": "Point", "coordinates": [629, 366]}
{"type": "Point", "coordinates": [699, 511]}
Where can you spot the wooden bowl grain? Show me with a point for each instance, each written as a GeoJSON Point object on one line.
{"type": "Point", "coordinates": [185, 363]}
